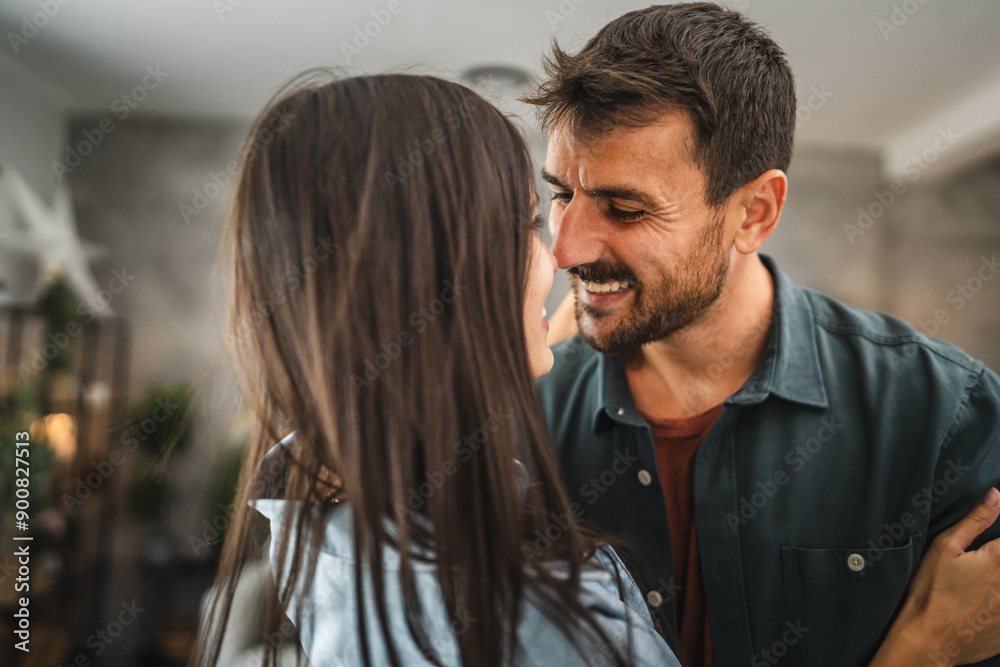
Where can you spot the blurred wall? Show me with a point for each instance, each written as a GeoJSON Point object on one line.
{"type": "Point", "coordinates": [33, 129]}
{"type": "Point", "coordinates": [921, 250]}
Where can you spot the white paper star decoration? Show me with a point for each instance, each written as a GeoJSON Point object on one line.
{"type": "Point", "coordinates": [48, 237]}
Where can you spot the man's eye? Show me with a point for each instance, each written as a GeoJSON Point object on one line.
{"type": "Point", "coordinates": [624, 216]}
{"type": "Point", "coordinates": [562, 196]}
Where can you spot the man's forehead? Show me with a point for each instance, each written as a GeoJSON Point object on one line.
{"type": "Point", "coordinates": [666, 143]}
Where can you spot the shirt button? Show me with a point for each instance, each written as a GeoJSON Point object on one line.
{"type": "Point", "coordinates": [856, 562]}
{"type": "Point", "coordinates": [654, 599]}
{"type": "Point", "coordinates": [621, 411]}
{"type": "Point", "coordinates": [645, 478]}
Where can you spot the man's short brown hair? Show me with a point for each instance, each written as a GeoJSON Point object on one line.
{"type": "Point", "coordinates": [724, 71]}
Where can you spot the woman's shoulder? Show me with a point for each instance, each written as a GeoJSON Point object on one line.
{"type": "Point", "coordinates": [609, 561]}
{"type": "Point", "coordinates": [622, 616]}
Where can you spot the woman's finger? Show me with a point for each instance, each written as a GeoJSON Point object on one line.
{"type": "Point", "coordinates": [979, 519]}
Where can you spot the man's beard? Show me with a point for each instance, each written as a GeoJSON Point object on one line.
{"type": "Point", "coordinates": [659, 310]}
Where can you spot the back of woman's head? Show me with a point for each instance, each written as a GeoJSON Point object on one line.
{"type": "Point", "coordinates": [380, 236]}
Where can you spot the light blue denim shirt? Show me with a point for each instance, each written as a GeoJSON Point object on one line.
{"type": "Point", "coordinates": [328, 627]}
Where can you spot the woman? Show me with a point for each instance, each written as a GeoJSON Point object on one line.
{"type": "Point", "coordinates": [388, 302]}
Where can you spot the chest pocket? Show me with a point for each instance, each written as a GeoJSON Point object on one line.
{"type": "Point", "coordinates": [842, 600]}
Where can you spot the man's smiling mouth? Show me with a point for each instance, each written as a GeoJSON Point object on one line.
{"type": "Point", "coordinates": [602, 288]}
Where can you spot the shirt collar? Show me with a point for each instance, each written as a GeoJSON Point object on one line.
{"type": "Point", "coordinates": [789, 368]}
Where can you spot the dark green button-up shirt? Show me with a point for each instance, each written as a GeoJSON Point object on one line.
{"type": "Point", "coordinates": [854, 442]}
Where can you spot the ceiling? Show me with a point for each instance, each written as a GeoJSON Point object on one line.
{"type": "Point", "coordinates": [892, 73]}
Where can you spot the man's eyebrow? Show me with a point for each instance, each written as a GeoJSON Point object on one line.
{"type": "Point", "coordinates": [549, 177]}
{"type": "Point", "coordinates": [609, 192]}
{"type": "Point", "coordinates": [623, 192]}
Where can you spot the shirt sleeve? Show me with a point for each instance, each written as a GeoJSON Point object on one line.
{"type": "Point", "coordinates": [621, 624]}
{"type": "Point", "coordinates": [608, 559]}
{"type": "Point", "coordinates": [969, 462]}
{"type": "Point", "coordinates": [624, 614]}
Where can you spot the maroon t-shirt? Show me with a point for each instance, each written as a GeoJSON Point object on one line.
{"type": "Point", "coordinates": [676, 442]}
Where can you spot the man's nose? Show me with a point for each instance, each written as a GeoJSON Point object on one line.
{"type": "Point", "coordinates": [576, 238]}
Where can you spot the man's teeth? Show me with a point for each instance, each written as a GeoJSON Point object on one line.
{"type": "Point", "coordinates": [543, 312]}
{"type": "Point", "coordinates": [599, 288]}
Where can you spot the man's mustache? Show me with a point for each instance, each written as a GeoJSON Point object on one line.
{"type": "Point", "coordinates": [603, 271]}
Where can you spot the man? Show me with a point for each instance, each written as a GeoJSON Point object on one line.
{"type": "Point", "coordinates": [775, 463]}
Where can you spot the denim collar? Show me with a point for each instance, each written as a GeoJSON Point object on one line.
{"type": "Point", "coordinates": [789, 368]}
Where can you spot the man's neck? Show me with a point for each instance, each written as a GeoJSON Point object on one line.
{"type": "Point", "coordinates": [700, 366]}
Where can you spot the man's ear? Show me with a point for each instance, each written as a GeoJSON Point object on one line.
{"type": "Point", "coordinates": [760, 202]}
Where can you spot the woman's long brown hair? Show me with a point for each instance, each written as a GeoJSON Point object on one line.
{"type": "Point", "coordinates": [380, 234]}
